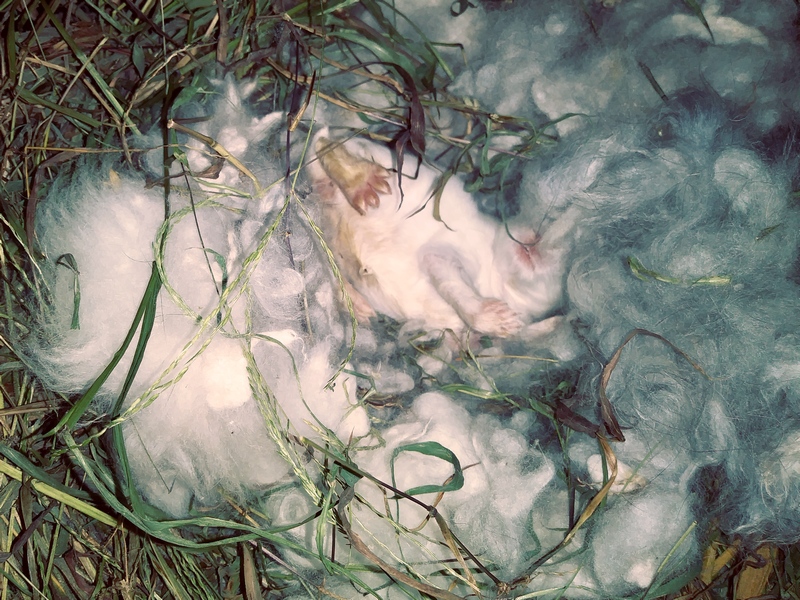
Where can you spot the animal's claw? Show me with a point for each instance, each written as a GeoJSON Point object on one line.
{"type": "Point", "coordinates": [361, 181]}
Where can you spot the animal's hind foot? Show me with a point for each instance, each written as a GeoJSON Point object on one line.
{"type": "Point", "coordinates": [496, 318]}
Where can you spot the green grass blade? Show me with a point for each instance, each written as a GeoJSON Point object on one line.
{"type": "Point", "coordinates": [74, 414]}
{"type": "Point", "coordinates": [68, 260]}
{"type": "Point", "coordinates": [698, 11]}
{"type": "Point", "coordinates": [90, 68]}
{"type": "Point", "coordinates": [437, 450]}
{"type": "Point", "coordinates": [38, 473]}
{"type": "Point", "coordinates": [65, 497]}
{"type": "Point", "coordinates": [33, 99]}
{"type": "Point", "coordinates": [150, 302]}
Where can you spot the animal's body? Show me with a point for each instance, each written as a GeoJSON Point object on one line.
{"type": "Point", "coordinates": [460, 271]}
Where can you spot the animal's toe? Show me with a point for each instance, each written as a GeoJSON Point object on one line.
{"type": "Point", "coordinates": [365, 196]}
{"type": "Point", "coordinates": [378, 181]}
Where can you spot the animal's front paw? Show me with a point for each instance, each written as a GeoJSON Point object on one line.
{"type": "Point", "coordinates": [361, 181]}
{"type": "Point", "coordinates": [365, 194]}
{"type": "Point", "coordinates": [496, 318]}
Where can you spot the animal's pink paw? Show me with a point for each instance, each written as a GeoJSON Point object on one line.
{"type": "Point", "coordinates": [361, 180]}
{"type": "Point", "coordinates": [365, 194]}
{"type": "Point", "coordinates": [496, 318]}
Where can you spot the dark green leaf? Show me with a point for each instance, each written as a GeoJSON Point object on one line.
{"type": "Point", "coordinates": [137, 56]}
{"type": "Point", "coordinates": [68, 260]}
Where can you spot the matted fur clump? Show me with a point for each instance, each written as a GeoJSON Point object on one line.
{"type": "Point", "coordinates": [201, 416]}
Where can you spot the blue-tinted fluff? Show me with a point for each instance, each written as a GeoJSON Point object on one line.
{"type": "Point", "coordinates": [693, 236]}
